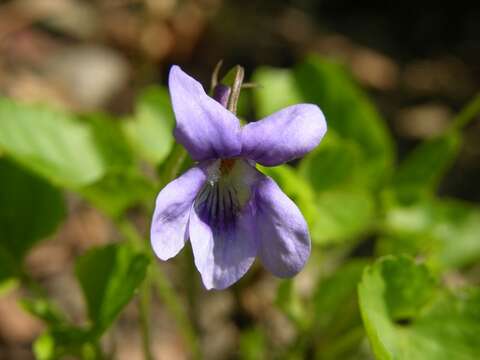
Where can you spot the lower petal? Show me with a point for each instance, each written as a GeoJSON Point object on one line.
{"type": "Point", "coordinates": [168, 230]}
{"type": "Point", "coordinates": [222, 227]}
{"type": "Point", "coordinates": [222, 256]}
{"type": "Point", "coordinates": [283, 238]}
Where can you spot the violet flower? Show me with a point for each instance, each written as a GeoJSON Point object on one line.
{"type": "Point", "coordinates": [229, 210]}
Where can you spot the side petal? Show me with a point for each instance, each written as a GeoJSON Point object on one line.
{"type": "Point", "coordinates": [283, 238]}
{"type": "Point", "coordinates": [168, 232]}
{"type": "Point", "coordinates": [204, 126]}
{"type": "Point", "coordinates": [285, 135]}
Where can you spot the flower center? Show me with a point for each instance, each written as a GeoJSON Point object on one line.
{"type": "Point", "coordinates": [226, 166]}
{"type": "Point", "coordinates": [226, 192]}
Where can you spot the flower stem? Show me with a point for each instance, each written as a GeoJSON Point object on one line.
{"type": "Point", "coordinates": [144, 310]}
{"type": "Point", "coordinates": [163, 289]}
{"type": "Point", "coordinates": [172, 166]}
{"type": "Point", "coordinates": [169, 298]}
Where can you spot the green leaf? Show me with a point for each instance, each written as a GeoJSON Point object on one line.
{"type": "Point", "coordinates": [332, 216]}
{"type": "Point", "coordinates": [110, 140]}
{"type": "Point", "coordinates": [349, 112]}
{"type": "Point", "coordinates": [289, 302]}
{"type": "Point", "coordinates": [117, 192]}
{"type": "Point", "coordinates": [60, 342]}
{"type": "Point", "coordinates": [123, 186]}
{"type": "Point", "coordinates": [447, 232]}
{"type": "Point", "coordinates": [409, 287]}
{"type": "Point", "coordinates": [296, 188]}
{"type": "Point", "coordinates": [109, 277]}
{"type": "Point", "coordinates": [61, 339]}
{"type": "Point", "coordinates": [253, 345]}
{"type": "Point", "coordinates": [9, 268]}
{"type": "Point", "coordinates": [50, 143]}
{"type": "Point", "coordinates": [335, 163]}
{"type": "Point", "coordinates": [408, 316]}
{"type": "Point", "coordinates": [30, 210]}
{"type": "Point", "coordinates": [44, 347]}
{"type": "Point", "coordinates": [176, 163]}
{"type": "Point", "coordinates": [426, 164]}
{"type": "Point", "coordinates": [337, 326]}
{"type": "Point", "coordinates": [44, 310]}
{"type": "Point", "coordinates": [342, 215]}
{"type": "Point", "coordinates": [276, 90]}
{"type": "Point", "coordinates": [335, 297]}
{"type": "Point", "coordinates": [150, 130]}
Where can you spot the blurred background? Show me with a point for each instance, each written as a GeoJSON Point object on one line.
{"type": "Point", "coordinates": [419, 62]}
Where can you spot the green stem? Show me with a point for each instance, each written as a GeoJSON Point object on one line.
{"type": "Point", "coordinates": [172, 166]}
{"type": "Point", "coordinates": [163, 288]}
{"type": "Point", "coordinates": [144, 307]}
{"type": "Point", "coordinates": [168, 171]}
{"type": "Point", "coordinates": [190, 279]}
{"type": "Point", "coordinates": [171, 301]}
{"type": "Point", "coordinates": [467, 114]}
{"type": "Point", "coordinates": [131, 234]}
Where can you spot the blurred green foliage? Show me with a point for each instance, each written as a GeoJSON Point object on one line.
{"type": "Point", "coordinates": [407, 315]}
{"type": "Point", "coordinates": [350, 189]}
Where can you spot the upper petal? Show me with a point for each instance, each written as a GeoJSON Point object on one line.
{"type": "Point", "coordinates": [204, 127]}
{"type": "Point", "coordinates": [283, 238]}
{"type": "Point", "coordinates": [168, 232]}
{"type": "Point", "coordinates": [285, 135]}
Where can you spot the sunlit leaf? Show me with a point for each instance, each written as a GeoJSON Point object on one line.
{"type": "Point", "coordinates": [276, 89]}
{"type": "Point", "coordinates": [116, 192]}
{"type": "Point", "coordinates": [61, 342]}
{"type": "Point", "coordinates": [342, 215]}
{"type": "Point", "coordinates": [150, 129]}
{"type": "Point", "coordinates": [44, 347]}
{"type": "Point", "coordinates": [426, 164]}
{"type": "Point", "coordinates": [332, 216]}
{"type": "Point", "coordinates": [50, 143]}
{"type": "Point", "coordinates": [115, 150]}
{"type": "Point", "coordinates": [336, 162]}
{"type": "Point", "coordinates": [408, 316]}
{"type": "Point", "coordinates": [44, 310]}
{"type": "Point", "coordinates": [447, 232]}
{"type": "Point", "coordinates": [349, 112]}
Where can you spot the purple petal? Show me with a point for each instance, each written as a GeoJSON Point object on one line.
{"type": "Point", "coordinates": [168, 232]}
{"type": "Point", "coordinates": [222, 225]}
{"type": "Point", "coordinates": [285, 135]}
{"type": "Point", "coordinates": [221, 93]}
{"type": "Point", "coordinates": [222, 255]}
{"type": "Point", "coordinates": [283, 239]}
{"type": "Point", "coordinates": [204, 127]}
